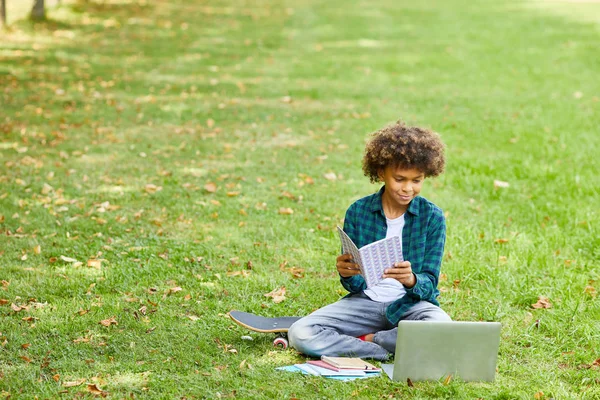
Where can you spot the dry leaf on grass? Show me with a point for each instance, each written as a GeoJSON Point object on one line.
{"type": "Point", "coordinates": [109, 321]}
{"type": "Point", "coordinates": [17, 308]}
{"type": "Point", "coordinates": [92, 263]}
{"type": "Point", "coordinates": [500, 184]}
{"type": "Point", "coordinates": [94, 389]}
{"type": "Point", "coordinates": [590, 290]}
{"type": "Point", "coordinates": [210, 187]}
{"type": "Point", "coordinates": [543, 302]}
{"type": "Point", "coordinates": [174, 290]}
{"type": "Point", "coordinates": [152, 188]}
{"type": "Point", "coordinates": [243, 273]}
{"type": "Point", "coordinates": [286, 211]}
{"type": "Point", "coordinates": [278, 295]}
{"type": "Point", "coordinates": [73, 383]}
{"type": "Point", "coordinates": [330, 176]}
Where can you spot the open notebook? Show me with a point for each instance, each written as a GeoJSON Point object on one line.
{"type": "Point", "coordinates": [373, 258]}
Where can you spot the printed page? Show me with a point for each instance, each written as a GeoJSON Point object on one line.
{"type": "Point", "coordinates": [348, 247]}
{"type": "Point", "coordinates": [379, 256]}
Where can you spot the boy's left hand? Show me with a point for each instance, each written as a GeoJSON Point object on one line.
{"type": "Point", "coordinates": [402, 272]}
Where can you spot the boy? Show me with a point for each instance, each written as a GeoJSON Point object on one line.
{"type": "Point", "coordinates": [363, 324]}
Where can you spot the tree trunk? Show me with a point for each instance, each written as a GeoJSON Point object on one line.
{"type": "Point", "coordinates": [2, 13]}
{"type": "Point", "coordinates": [37, 12]}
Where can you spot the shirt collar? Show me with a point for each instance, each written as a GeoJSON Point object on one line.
{"type": "Point", "coordinates": [376, 204]}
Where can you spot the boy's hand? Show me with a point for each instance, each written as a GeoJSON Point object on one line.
{"type": "Point", "coordinates": [346, 267]}
{"type": "Point", "coordinates": [402, 272]}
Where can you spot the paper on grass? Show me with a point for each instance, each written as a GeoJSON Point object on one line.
{"type": "Point", "coordinates": [303, 368]}
{"type": "Point", "coordinates": [329, 372]}
{"type": "Point", "coordinates": [374, 258]}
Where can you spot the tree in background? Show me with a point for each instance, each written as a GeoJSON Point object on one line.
{"type": "Point", "coordinates": [38, 12]}
{"type": "Point", "coordinates": [2, 13]}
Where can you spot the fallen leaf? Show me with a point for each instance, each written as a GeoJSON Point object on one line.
{"type": "Point", "coordinates": [501, 241]}
{"type": "Point", "coordinates": [56, 377]}
{"type": "Point", "coordinates": [94, 389]}
{"type": "Point", "coordinates": [152, 188]}
{"type": "Point", "coordinates": [109, 321]}
{"type": "Point", "coordinates": [588, 289]}
{"type": "Point", "coordinates": [37, 249]}
{"type": "Point", "coordinates": [296, 272]}
{"type": "Point", "coordinates": [25, 346]}
{"type": "Point", "coordinates": [539, 396]}
{"type": "Point", "coordinates": [243, 273]}
{"type": "Point", "coordinates": [68, 259]}
{"type": "Point", "coordinates": [174, 290]}
{"type": "Point", "coordinates": [288, 195]}
{"type": "Point", "coordinates": [500, 184]}
{"type": "Point", "coordinates": [73, 383]}
{"type": "Point", "coordinates": [448, 380]}
{"type": "Point", "coordinates": [543, 302]}
{"type": "Point", "coordinates": [330, 176]}
{"type": "Point", "coordinates": [286, 211]}
{"type": "Point", "coordinates": [210, 187]}
{"type": "Point", "coordinates": [94, 263]}
{"type": "Point", "coordinates": [278, 295]}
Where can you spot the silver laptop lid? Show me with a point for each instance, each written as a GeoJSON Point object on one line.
{"type": "Point", "coordinates": [428, 350]}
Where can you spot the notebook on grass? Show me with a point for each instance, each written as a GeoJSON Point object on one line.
{"type": "Point", "coordinates": [349, 363]}
{"type": "Point", "coordinates": [428, 350]}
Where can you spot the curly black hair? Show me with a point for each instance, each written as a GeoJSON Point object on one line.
{"type": "Point", "coordinates": [405, 147]}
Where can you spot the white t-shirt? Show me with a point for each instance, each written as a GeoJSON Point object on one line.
{"type": "Point", "coordinates": [389, 289]}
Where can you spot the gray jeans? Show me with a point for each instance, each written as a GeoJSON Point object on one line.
{"type": "Point", "coordinates": [333, 329]}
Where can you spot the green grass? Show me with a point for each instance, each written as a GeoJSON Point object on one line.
{"type": "Point", "coordinates": [263, 99]}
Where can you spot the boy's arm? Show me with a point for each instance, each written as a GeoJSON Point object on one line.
{"type": "Point", "coordinates": [428, 276]}
{"type": "Point", "coordinates": [356, 283]}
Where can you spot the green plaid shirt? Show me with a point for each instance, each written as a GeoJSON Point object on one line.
{"type": "Point", "coordinates": [423, 239]}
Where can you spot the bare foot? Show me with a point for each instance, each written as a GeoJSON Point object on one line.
{"type": "Point", "coordinates": [369, 337]}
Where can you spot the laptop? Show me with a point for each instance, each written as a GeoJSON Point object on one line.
{"type": "Point", "coordinates": [429, 350]}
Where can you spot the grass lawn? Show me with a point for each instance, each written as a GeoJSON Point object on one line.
{"type": "Point", "coordinates": [164, 162]}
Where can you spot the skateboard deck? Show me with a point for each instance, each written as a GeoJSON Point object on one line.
{"type": "Point", "coordinates": [257, 323]}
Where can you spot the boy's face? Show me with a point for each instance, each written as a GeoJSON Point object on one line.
{"type": "Point", "coordinates": [401, 185]}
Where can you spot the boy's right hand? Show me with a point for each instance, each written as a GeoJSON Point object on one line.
{"type": "Point", "coordinates": [346, 267]}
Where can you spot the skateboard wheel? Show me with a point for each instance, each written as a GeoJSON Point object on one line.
{"type": "Point", "coordinates": [280, 342]}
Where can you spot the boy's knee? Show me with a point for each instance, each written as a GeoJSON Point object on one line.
{"type": "Point", "coordinates": [438, 315]}
{"type": "Point", "coordinates": [300, 336]}
{"type": "Point", "coordinates": [297, 333]}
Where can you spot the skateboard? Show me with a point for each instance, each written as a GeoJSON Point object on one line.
{"type": "Point", "coordinates": [260, 324]}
